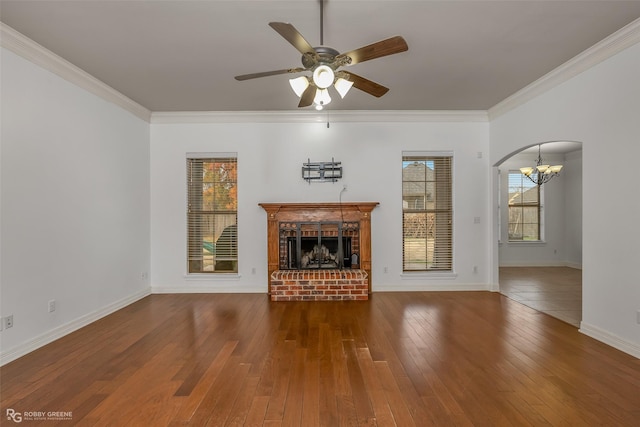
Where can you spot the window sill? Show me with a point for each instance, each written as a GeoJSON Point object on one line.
{"type": "Point", "coordinates": [527, 242]}
{"type": "Point", "coordinates": [420, 275]}
{"type": "Point", "coordinates": [200, 277]}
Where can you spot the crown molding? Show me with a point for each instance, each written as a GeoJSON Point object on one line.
{"type": "Point", "coordinates": [622, 39]}
{"type": "Point", "coordinates": [41, 56]}
{"type": "Point", "coordinates": [306, 116]}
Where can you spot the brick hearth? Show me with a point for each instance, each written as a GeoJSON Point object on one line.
{"type": "Point", "coordinates": [319, 285]}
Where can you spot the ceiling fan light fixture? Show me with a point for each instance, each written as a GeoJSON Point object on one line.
{"type": "Point", "coordinates": [299, 85]}
{"type": "Point", "coordinates": [343, 86]}
{"type": "Point", "coordinates": [322, 97]}
{"type": "Point", "coordinates": [323, 76]}
{"type": "Point", "coordinates": [324, 63]}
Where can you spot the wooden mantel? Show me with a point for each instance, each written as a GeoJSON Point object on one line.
{"type": "Point", "coordinates": [315, 212]}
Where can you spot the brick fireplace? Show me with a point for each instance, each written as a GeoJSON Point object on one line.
{"type": "Point", "coordinates": [319, 251]}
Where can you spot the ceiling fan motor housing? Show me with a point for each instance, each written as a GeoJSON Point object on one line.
{"type": "Point", "coordinates": [324, 56]}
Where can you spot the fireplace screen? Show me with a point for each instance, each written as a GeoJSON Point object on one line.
{"type": "Point", "coordinates": [318, 245]}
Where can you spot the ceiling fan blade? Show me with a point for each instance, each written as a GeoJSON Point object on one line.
{"type": "Point", "coordinates": [268, 73]}
{"type": "Point", "coordinates": [366, 85]}
{"type": "Point", "coordinates": [307, 96]}
{"type": "Point", "coordinates": [376, 50]}
{"type": "Point", "coordinates": [292, 35]}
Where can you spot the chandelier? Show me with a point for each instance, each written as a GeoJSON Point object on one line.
{"type": "Point", "coordinates": [541, 173]}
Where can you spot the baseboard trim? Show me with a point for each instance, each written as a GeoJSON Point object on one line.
{"type": "Point", "coordinates": [540, 264]}
{"type": "Point", "coordinates": [424, 287]}
{"type": "Point", "coordinates": [62, 330]}
{"type": "Point", "coordinates": [608, 338]}
{"type": "Point", "coordinates": [208, 289]}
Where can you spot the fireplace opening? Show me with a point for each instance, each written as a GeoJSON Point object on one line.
{"type": "Point", "coordinates": [319, 253]}
{"type": "Point", "coordinates": [318, 245]}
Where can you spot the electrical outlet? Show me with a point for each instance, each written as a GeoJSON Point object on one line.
{"type": "Point", "coordinates": [8, 322]}
{"type": "Point", "coordinates": [638, 317]}
{"type": "Point", "coordinates": [475, 269]}
{"type": "Point", "coordinates": [52, 306]}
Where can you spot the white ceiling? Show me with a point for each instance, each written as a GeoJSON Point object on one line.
{"type": "Point", "coordinates": [554, 147]}
{"type": "Point", "coordinates": [183, 55]}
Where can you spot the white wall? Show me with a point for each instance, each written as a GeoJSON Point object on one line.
{"type": "Point", "coordinates": [270, 157]}
{"type": "Point", "coordinates": [75, 205]}
{"type": "Point", "coordinates": [572, 185]}
{"type": "Point", "coordinates": [561, 243]}
{"type": "Point", "coordinates": [600, 108]}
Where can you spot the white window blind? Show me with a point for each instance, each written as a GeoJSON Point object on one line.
{"type": "Point", "coordinates": [427, 213]}
{"type": "Point", "coordinates": [524, 208]}
{"type": "Point", "coordinates": [212, 215]}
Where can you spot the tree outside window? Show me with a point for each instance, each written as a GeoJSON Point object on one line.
{"type": "Point", "coordinates": [212, 215]}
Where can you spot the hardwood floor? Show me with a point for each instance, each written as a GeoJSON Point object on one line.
{"type": "Point", "coordinates": [556, 291]}
{"type": "Point", "coordinates": [399, 359]}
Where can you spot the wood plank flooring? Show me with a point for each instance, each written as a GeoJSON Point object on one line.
{"type": "Point", "coordinates": [399, 359]}
{"type": "Point", "coordinates": [556, 291]}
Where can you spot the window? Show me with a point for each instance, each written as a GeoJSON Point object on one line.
{"type": "Point", "coordinates": [427, 213]}
{"type": "Point", "coordinates": [212, 205]}
{"type": "Point", "coordinates": [524, 208]}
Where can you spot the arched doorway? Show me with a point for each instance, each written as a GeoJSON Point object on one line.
{"type": "Point", "coordinates": [540, 231]}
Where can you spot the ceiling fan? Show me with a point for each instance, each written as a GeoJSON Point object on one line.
{"type": "Point", "coordinates": [325, 62]}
